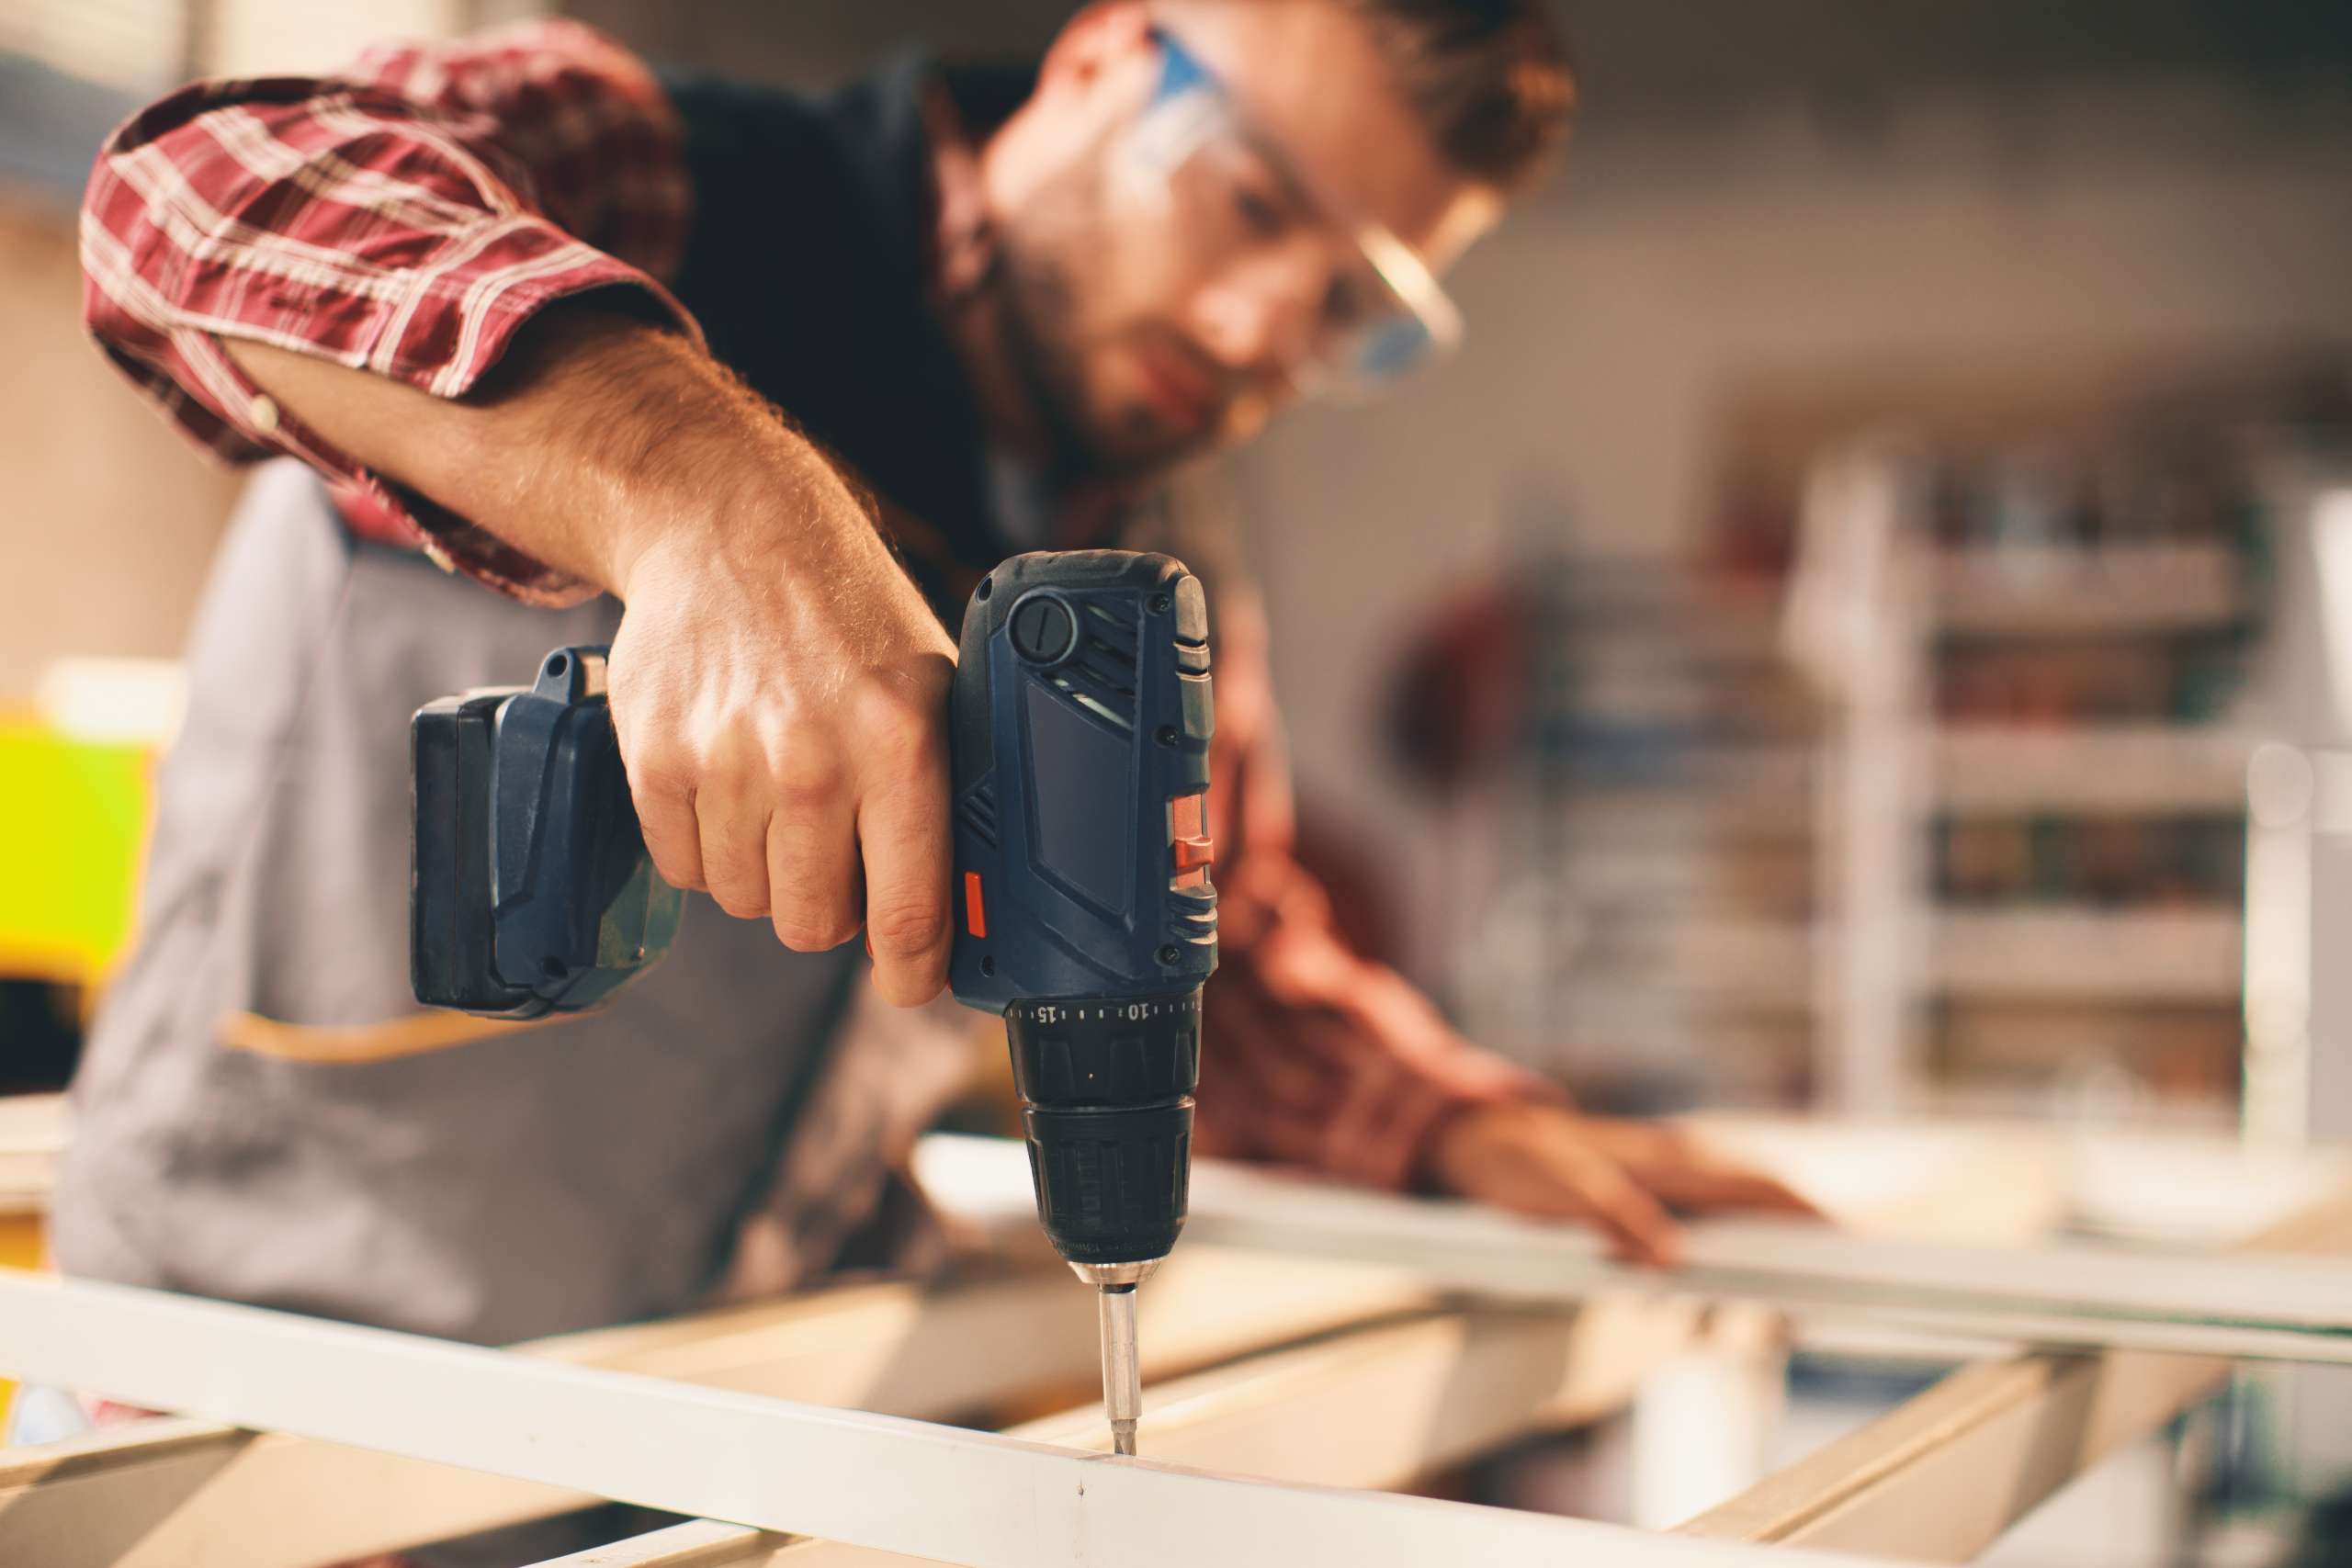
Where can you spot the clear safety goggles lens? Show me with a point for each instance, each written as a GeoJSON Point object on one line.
{"type": "Point", "coordinates": [1383, 315]}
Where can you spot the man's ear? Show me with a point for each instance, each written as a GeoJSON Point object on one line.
{"type": "Point", "coordinates": [1097, 39]}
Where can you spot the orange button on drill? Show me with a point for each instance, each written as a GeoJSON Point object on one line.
{"type": "Point", "coordinates": [1188, 841]}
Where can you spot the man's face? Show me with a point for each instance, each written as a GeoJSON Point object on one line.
{"type": "Point", "coordinates": [1155, 312]}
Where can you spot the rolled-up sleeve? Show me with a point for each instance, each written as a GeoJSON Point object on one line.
{"type": "Point", "coordinates": [405, 217]}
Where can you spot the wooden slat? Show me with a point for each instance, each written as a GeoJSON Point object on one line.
{"type": "Point", "coordinates": [188, 1494]}
{"type": "Point", "coordinates": [1375, 1407]}
{"type": "Point", "coordinates": [1941, 1477]}
{"type": "Point", "coordinates": [59, 1503]}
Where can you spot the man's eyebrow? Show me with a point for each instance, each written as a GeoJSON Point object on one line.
{"type": "Point", "coordinates": [1286, 172]}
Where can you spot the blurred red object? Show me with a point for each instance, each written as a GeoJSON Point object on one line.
{"type": "Point", "coordinates": [1458, 699]}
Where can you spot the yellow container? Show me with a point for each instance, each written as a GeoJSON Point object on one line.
{"type": "Point", "coordinates": [73, 824]}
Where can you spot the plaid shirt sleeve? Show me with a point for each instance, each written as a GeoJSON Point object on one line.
{"type": "Point", "coordinates": [406, 218]}
{"type": "Point", "coordinates": [1315, 1055]}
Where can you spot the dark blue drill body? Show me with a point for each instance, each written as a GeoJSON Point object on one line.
{"type": "Point", "coordinates": [1081, 722]}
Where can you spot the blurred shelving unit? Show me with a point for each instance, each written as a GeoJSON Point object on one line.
{"type": "Point", "coordinates": [2128, 767]}
{"type": "Point", "coordinates": [1920, 783]}
{"type": "Point", "coordinates": [2037, 629]}
{"type": "Point", "coordinates": [1653, 944]}
{"type": "Point", "coordinates": [2086, 953]}
{"type": "Point", "coordinates": [2107, 590]}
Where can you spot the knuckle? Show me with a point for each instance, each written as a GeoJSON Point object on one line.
{"type": "Point", "coordinates": [735, 904]}
{"type": "Point", "coordinates": [805, 776]}
{"type": "Point", "coordinates": [907, 926]}
{"type": "Point", "coordinates": [810, 912]}
{"type": "Point", "coordinates": [804, 791]}
{"type": "Point", "coordinates": [675, 868]}
{"type": "Point", "coordinates": [895, 716]}
{"type": "Point", "coordinates": [807, 931]}
{"type": "Point", "coordinates": [661, 774]}
{"type": "Point", "coordinates": [738, 890]}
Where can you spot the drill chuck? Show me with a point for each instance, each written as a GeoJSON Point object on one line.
{"type": "Point", "coordinates": [1107, 1089]}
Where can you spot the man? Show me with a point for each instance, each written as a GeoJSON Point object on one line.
{"type": "Point", "coordinates": [518, 302]}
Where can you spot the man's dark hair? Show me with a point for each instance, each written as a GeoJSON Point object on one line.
{"type": "Point", "coordinates": [1492, 79]}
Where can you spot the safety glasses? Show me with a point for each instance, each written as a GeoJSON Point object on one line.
{"type": "Point", "coordinates": [1236, 199]}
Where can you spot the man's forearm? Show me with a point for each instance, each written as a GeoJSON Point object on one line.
{"type": "Point", "coordinates": [597, 434]}
{"type": "Point", "coordinates": [778, 685]}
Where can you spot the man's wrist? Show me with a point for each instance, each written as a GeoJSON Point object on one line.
{"type": "Point", "coordinates": [665, 455]}
{"type": "Point", "coordinates": [751, 498]}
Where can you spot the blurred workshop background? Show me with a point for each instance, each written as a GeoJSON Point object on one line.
{"type": "Point", "coordinates": [1817, 647]}
{"type": "Point", "coordinates": [1866, 623]}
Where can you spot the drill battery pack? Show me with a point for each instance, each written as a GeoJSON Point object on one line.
{"type": "Point", "coordinates": [531, 890]}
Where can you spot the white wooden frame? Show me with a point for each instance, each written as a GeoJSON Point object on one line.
{"type": "Point", "coordinates": [1386, 1384]}
{"type": "Point", "coordinates": [2277, 1308]}
{"type": "Point", "coordinates": [187, 1494]}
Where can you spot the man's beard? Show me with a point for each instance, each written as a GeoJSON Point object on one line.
{"type": "Point", "coordinates": [1038, 296]}
{"type": "Point", "coordinates": [1032, 294]}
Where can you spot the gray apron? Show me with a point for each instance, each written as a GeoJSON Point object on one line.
{"type": "Point", "coordinates": [597, 1170]}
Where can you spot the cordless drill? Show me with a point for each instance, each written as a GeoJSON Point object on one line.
{"type": "Point", "coordinates": [1080, 729]}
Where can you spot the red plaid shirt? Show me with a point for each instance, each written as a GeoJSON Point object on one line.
{"type": "Point", "coordinates": [408, 216]}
